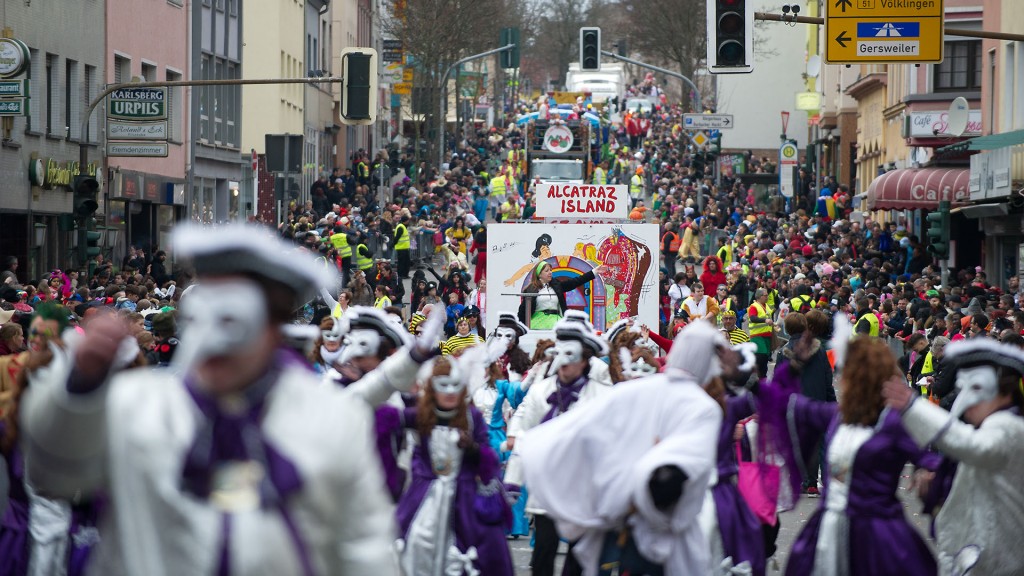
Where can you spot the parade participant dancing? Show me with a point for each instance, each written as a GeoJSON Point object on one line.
{"type": "Point", "coordinates": [453, 517]}
{"type": "Point", "coordinates": [859, 527]}
{"type": "Point", "coordinates": [377, 361]}
{"type": "Point", "coordinates": [568, 387]}
{"type": "Point", "coordinates": [640, 459]}
{"type": "Point", "coordinates": [241, 464]}
{"type": "Point", "coordinates": [979, 527]}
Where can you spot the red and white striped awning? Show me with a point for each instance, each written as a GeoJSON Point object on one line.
{"type": "Point", "coordinates": [923, 188]}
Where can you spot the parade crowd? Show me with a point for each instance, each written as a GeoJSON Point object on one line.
{"type": "Point", "coordinates": [322, 396]}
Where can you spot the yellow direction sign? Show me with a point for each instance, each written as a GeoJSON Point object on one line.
{"type": "Point", "coordinates": [883, 31]}
{"type": "Point", "coordinates": [699, 138]}
{"type": "Point", "coordinates": [402, 88]}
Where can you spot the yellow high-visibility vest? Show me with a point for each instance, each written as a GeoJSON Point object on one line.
{"type": "Point", "coordinates": [340, 242]}
{"type": "Point", "coordinates": [403, 242]}
{"type": "Point", "coordinates": [363, 262]}
{"type": "Point", "coordinates": [761, 328]}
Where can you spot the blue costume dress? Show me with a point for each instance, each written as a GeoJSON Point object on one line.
{"type": "Point", "coordinates": [512, 392]}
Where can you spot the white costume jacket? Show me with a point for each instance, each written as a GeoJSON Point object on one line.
{"type": "Point", "coordinates": [129, 439]}
{"type": "Point", "coordinates": [985, 506]}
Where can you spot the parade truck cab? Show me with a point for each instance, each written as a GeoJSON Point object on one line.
{"type": "Point", "coordinates": [559, 151]}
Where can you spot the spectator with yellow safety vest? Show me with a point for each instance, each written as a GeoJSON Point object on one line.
{"type": "Point", "coordinates": [341, 239]}
{"type": "Point", "coordinates": [867, 321]}
{"type": "Point", "coordinates": [501, 185]}
{"type": "Point", "coordinates": [762, 330]}
{"type": "Point", "coordinates": [601, 174]}
{"type": "Point", "coordinates": [402, 245]}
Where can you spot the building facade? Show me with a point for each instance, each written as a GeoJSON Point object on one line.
{"type": "Point", "coordinates": [39, 151]}
{"type": "Point", "coordinates": [215, 159]}
{"type": "Point", "coordinates": [148, 40]}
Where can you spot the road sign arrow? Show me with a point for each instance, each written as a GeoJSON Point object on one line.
{"type": "Point", "coordinates": [842, 39]}
{"type": "Point", "coordinates": [843, 4]}
{"type": "Point", "coordinates": [726, 121]}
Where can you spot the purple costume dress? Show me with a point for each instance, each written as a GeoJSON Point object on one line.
{"type": "Point", "coordinates": [739, 528]}
{"type": "Point", "coordinates": [14, 536]}
{"type": "Point", "coordinates": [440, 517]}
{"type": "Point", "coordinates": [879, 541]}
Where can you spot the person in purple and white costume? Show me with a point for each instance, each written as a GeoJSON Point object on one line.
{"type": "Point", "coordinates": [234, 461]}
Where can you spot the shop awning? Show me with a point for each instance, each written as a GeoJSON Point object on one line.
{"type": "Point", "coordinates": [990, 142]}
{"type": "Point", "coordinates": [911, 189]}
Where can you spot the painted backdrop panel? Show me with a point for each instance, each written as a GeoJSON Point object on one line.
{"type": "Point", "coordinates": [628, 288]}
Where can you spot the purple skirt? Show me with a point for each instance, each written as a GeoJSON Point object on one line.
{"type": "Point", "coordinates": [14, 540]}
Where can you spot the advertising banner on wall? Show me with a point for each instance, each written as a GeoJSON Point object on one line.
{"type": "Point", "coordinates": [627, 287]}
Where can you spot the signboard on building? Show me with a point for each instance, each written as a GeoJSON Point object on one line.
{"type": "Point", "coordinates": [49, 172]}
{"type": "Point", "coordinates": [137, 149]}
{"type": "Point", "coordinates": [881, 31]}
{"type": "Point", "coordinates": [13, 88]}
{"type": "Point", "coordinates": [121, 130]}
{"type": "Point", "coordinates": [391, 51]}
{"type": "Point", "coordinates": [990, 175]}
{"type": "Point", "coordinates": [14, 57]}
{"type": "Point", "coordinates": [14, 107]}
{"type": "Point", "coordinates": [936, 123]}
{"type": "Point", "coordinates": [556, 200]}
{"type": "Point", "coordinates": [137, 104]}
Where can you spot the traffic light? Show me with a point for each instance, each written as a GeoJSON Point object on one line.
{"type": "Point", "coordinates": [590, 49]}
{"type": "Point", "coordinates": [730, 36]}
{"type": "Point", "coordinates": [697, 166]}
{"type": "Point", "coordinates": [86, 189]}
{"type": "Point", "coordinates": [359, 86]}
{"type": "Point", "coordinates": [715, 146]}
{"type": "Point", "coordinates": [510, 58]}
{"type": "Point", "coordinates": [92, 239]}
{"type": "Point", "coordinates": [938, 231]}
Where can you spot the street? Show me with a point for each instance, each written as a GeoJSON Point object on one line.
{"type": "Point", "coordinates": [792, 522]}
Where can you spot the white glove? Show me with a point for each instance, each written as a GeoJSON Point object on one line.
{"type": "Point", "coordinates": [429, 338]}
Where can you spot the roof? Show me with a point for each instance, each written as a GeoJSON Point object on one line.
{"type": "Point", "coordinates": [990, 142]}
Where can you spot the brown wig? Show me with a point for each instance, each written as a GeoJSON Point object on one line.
{"type": "Point", "coordinates": [540, 350]}
{"type": "Point", "coordinates": [624, 339]}
{"type": "Point", "coordinates": [869, 363]}
{"type": "Point", "coordinates": [326, 324]}
{"type": "Point", "coordinates": [426, 417]}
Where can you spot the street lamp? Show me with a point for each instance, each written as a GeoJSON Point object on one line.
{"type": "Point", "coordinates": [40, 233]}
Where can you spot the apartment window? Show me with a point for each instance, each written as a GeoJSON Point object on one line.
{"type": "Point", "coordinates": [219, 4]}
{"type": "Point", "coordinates": [961, 67]}
{"type": "Point", "coordinates": [34, 122]}
{"type": "Point", "coordinates": [122, 69]}
{"type": "Point", "coordinates": [233, 7]}
{"type": "Point", "coordinates": [204, 97]}
{"type": "Point", "coordinates": [232, 106]}
{"type": "Point", "coordinates": [218, 103]}
{"type": "Point", "coordinates": [53, 125]}
{"type": "Point", "coordinates": [88, 93]}
{"type": "Point", "coordinates": [148, 72]}
{"type": "Point", "coordinates": [174, 107]}
{"type": "Point", "coordinates": [72, 102]}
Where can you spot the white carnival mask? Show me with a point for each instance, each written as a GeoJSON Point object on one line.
{"type": "Point", "coordinates": [451, 383]}
{"type": "Point", "coordinates": [565, 352]}
{"type": "Point", "coordinates": [506, 335]}
{"type": "Point", "coordinates": [639, 369]}
{"type": "Point", "coordinates": [220, 318]}
{"type": "Point", "coordinates": [332, 335]}
{"type": "Point", "coordinates": [359, 343]}
{"type": "Point", "coordinates": [976, 385]}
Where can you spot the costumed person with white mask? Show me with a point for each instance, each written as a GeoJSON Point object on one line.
{"type": "Point", "coordinates": [640, 459]}
{"type": "Point", "coordinates": [452, 519]}
{"type": "Point", "coordinates": [377, 358]}
{"type": "Point", "coordinates": [859, 526]}
{"type": "Point", "coordinates": [980, 527]}
{"type": "Point", "coordinates": [568, 387]}
{"type": "Point", "coordinates": [234, 461]}
{"type": "Point", "coordinates": [515, 362]}
{"type": "Point", "coordinates": [327, 349]}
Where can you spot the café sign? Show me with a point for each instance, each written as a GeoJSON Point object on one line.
{"type": "Point", "coordinates": [49, 173]}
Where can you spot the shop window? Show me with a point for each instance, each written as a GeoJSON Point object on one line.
{"type": "Point", "coordinates": [961, 67]}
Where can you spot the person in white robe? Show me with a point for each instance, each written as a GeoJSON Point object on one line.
{"type": "Point", "coordinates": [234, 461]}
{"type": "Point", "coordinates": [634, 465]}
{"type": "Point", "coordinates": [980, 527]}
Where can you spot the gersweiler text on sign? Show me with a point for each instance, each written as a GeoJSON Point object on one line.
{"type": "Point", "coordinates": [556, 200]}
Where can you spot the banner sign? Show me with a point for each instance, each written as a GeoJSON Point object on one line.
{"type": "Point", "coordinates": [557, 200]}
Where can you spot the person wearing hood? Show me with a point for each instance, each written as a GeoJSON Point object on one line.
{"type": "Point", "coordinates": [978, 528]}
{"type": "Point", "coordinates": [637, 493]}
{"type": "Point", "coordinates": [565, 386]}
{"type": "Point", "coordinates": [234, 460]}
{"type": "Point", "coordinates": [713, 275]}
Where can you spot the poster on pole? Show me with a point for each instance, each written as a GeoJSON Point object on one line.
{"type": "Point", "coordinates": [628, 287]}
{"type": "Point", "coordinates": [564, 200]}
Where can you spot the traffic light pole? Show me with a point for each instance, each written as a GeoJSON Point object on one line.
{"type": "Point", "coordinates": [442, 119]}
